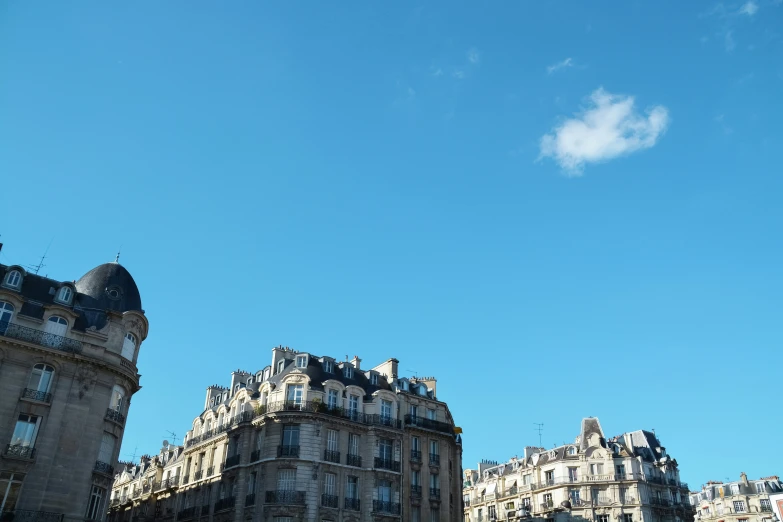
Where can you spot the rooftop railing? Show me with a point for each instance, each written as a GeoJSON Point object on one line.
{"type": "Point", "coordinates": [429, 424]}
{"type": "Point", "coordinates": [39, 337]}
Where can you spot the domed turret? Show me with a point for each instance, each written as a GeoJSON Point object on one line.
{"type": "Point", "coordinates": [109, 287]}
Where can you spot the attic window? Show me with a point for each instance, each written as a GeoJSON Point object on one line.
{"type": "Point", "coordinates": [572, 450]}
{"type": "Point", "coordinates": [64, 295]}
{"type": "Point", "coordinates": [328, 366]}
{"type": "Point", "coordinates": [301, 361]}
{"type": "Point", "coordinates": [404, 385]}
{"type": "Point", "coordinates": [114, 293]}
{"type": "Point", "coordinates": [13, 279]}
{"type": "Point", "coordinates": [280, 366]}
{"type": "Point", "coordinates": [348, 372]}
{"type": "Point", "coordinates": [374, 379]}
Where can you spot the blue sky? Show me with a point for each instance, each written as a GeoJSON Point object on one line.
{"type": "Point", "coordinates": [560, 209]}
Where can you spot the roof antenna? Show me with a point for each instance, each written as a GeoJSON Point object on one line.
{"type": "Point", "coordinates": [117, 259]}
{"type": "Point", "coordinates": [37, 268]}
{"type": "Point", "coordinates": [540, 428]}
{"type": "Point", "coordinates": [173, 437]}
{"type": "Point", "coordinates": [133, 455]}
{"type": "Point", "coordinates": [414, 372]}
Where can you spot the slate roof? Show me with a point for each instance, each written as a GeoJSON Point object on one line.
{"type": "Point", "coordinates": [315, 371]}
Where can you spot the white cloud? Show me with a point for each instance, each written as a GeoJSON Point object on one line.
{"type": "Point", "coordinates": [608, 128]}
{"type": "Point", "coordinates": [473, 56]}
{"type": "Point", "coordinates": [458, 74]}
{"type": "Point", "coordinates": [568, 62]}
{"type": "Point", "coordinates": [749, 8]}
{"type": "Point", "coordinates": [728, 41]}
{"type": "Point", "coordinates": [436, 71]}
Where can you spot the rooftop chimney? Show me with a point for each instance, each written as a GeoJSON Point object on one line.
{"type": "Point", "coordinates": [356, 362]}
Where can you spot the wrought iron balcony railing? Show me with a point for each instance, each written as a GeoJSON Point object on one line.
{"type": "Point", "coordinates": [198, 474]}
{"type": "Point", "coordinates": [434, 459]}
{"type": "Point", "coordinates": [429, 424]}
{"type": "Point", "coordinates": [36, 395]}
{"type": "Point", "coordinates": [186, 478]}
{"type": "Point", "coordinates": [386, 463]}
{"type": "Point", "coordinates": [114, 415]}
{"type": "Point", "coordinates": [322, 408]}
{"type": "Point", "coordinates": [435, 493]}
{"type": "Point", "coordinates": [285, 497]}
{"type": "Point", "coordinates": [39, 337]}
{"type": "Point", "coordinates": [415, 456]}
{"type": "Point", "coordinates": [255, 455]}
{"type": "Point", "coordinates": [351, 503]}
{"type": "Point", "coordinates": [210, 471]}
{"type": "Point", "coordinates": [353, 460]}
{"type": "Point", "coordinates": [416, 490]}
{"type": "Point", "coordinates": [23, 515]}
{"type": "Point", "coordinates": [329, 501]}
{"type": "Point", "coordinates": [250, 499]}
{"type": "Point", "coordinates": [103, 467]}
{"type": "Point", "coordinates": [232, 461]}
{"type": "Point", "coordinates": [287, 450]}
{"type": "Point", "coordinates": [381, 506]}
{"type": "Point", "coordinates": [224, 503]}
{"type": "Point", "coordinates": [332, 456]}
{"type": "Point", "coordinates": [19, 451]}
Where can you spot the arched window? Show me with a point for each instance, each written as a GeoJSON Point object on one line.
{"type": "Point", "coordinates": [41, 378]}
{"type": "Point", "coordinates": [14, 278]}
{"type": "Point", "coordinates": [65, 294]}
{"type": "Point", "coordinates": [54, 331]}
{"type": "Point", "coordinates": [117, 398]}
{"type": "Point", "coordinates": [6, 311]}
{"type": "Point", "coordinates": [129, 346]}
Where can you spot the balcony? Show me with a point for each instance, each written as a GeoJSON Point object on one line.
{"type": "Point", "coordinates": [255, 455]}
{"type": "Point", "coordinates": [332, 456]}
{"type": "Point", "coordinates": [429, 424]}
{"type": "Point", "coordinates": [35, 395]}
{"type": "Point", "coordinates": [510, 492]}
{"type": "Point", "coordinates": [415, 456]}
{"type": "Point", "coordinates": [115, 416]}
{"type": "Point", "coordinates": [39, 337]}
{"type": "Point", "coordinates": [434, 459]}
{"type": "Point", "coordinates": [186, 478]}
{"type": "Point", "coordinates": [102, 467]}
{"type": "Point", "coordinates": [662, 502]}
{"type": "Point", "coordinates": [329, 501]}
{"type": "Point", "coordinates": [382, 420]}
{"type": "Point", "coordinates": [415, 490]}
{"type": "Point", "coordinates": [353, 460]}
{"type": "Point", "coordinates": [232, 461]}
{"type": "Point", "coordinates": [210, 471]}
{"type": "Point", "coordinates": [385, 463]}
{"type": "Point", "coordinates": [766, 509]}
{"type": "Point", "coordinates": [19, 451]}
{"type": "Point", "coordinates": [23, 515]}
{"type": "Point", "coordinates": [287, 450]}
{"type": "Point", "coordinates": [285, 497]}
{"type": "Point", "coordinates": [434, 493]}
{"type": "Point", "coordinates": [250, 500]}
{"type": "Point", "coordinates": [225, 503]}
{"type": "Point", "coordinates": [187, 513]}
{"type": "Point", "coordinates": [627, 500]}
{"type": "Point", "coordinates": [319, 407]}
{"type": "Point", "coordinates": [351, 503]}
{"type": "Point", "coordinates": [602, 501]}
{"type": "Point", "coordinates": [381, 506]}
{"type": "Point", "coordinates": [168, 483]}
{"type": "Point", "coordinates": [198, 475]}
{"type": "Point", "coordinates": [145, 489]}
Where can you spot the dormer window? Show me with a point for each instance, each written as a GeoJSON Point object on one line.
{"type": "Point", "coordinates": [64, 295]}
{"type": "Point", "coordinates": [572, 450]}
{"type": "Point", "coordinates": [301, 361]}
{"type": "Point", "coordinates": [374, 379]}
{"type": "Point", "coordinates": [14, 279]}
{"type": "Point", "coordinates": [280, 366]}
{"type": "Point", "coordinates": [328, 366]}
{"type": "Point", "coordinates": [250, 381]}
{"type": "Point", "coordinates": [348, 372]}
{"type": "Point", "coordinates": [404, 385]}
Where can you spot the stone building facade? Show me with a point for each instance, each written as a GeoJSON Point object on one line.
{"type": "Point", "coordinates": [307, 438]}
{"type": "Point", "coordinates": [628, 478]}
{"type": "Point", "coordinates": [68, 355]}
{"type": "Point", "coordinates": [740, 501]}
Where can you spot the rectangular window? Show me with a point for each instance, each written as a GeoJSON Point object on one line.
{"type": "Point", "coordinates": [434, 481]}
{"type": "Point", "coordinates": [526, 503]}
{"type": "Point", "coordinates": [739, 506]}
{"type": "Point", "coordinates": [331, 440]}
{"type": "Point", "coordinates": [353, 444]}
{"type": "Point", "coordinates": [332, 399]}
{"type": "Point", "coordinates": [434, 450]}
{"type": "Point", "coordinates": [491, 513]}
{"type": "Point", "coordinates": [573, 494]}
{"type": "Point", "coordinates": [286, 479]}
{"type": "Point", "coordinates": [348, 372]}
{"type": "Point", "coordinates": [295, 394]}
{"type": "Point", "coordinates": [602, 518]}
{"type": "Point", "coordinates": [435, 514]}
{"type": "Point", "coordinates": [415, 478]}
{"type": "Point", "coordinates": [251, 484]}
{"type": "Point", "coordinates": [414, 411]}
{"type": "Point", "coordinates": [415, 514]}
{"type": "Point", "coordinates": [573, 474]}
{"type": "Point", "coordinates": [735, 489]}
{"type": "Point", "coordinates": [25, 431]}
{"type": "Point", "coordinates": [107, 448]}
{"type": "Point", "coordinates": [526, 479]}
{"type": "Point", "coordinates": [329, 484]}
{"type": "Point", "coordinates": [353, 405]}
{"type": "Point", "coordinates": [549, 477]}
{"type": "Point", "coordinates": [627, 517]}
{"type": "Point", "coordinates": [328, 367]}
{"type": "Point", "coordinates": [596, 469]}
{"type": "Point", "coordinates": [759, 487]}
{"type": "Point", "coordinates": [10, 483]}
{"type": "Point", "coordinates": [430, 414]}
{"type": "Point", "coordinates": [548, 499]}
{"type": "Point", "coordinates": [765, 504]}
{"type": "Point", "coordinates": [280, 366]}
{"type": "Point", "coordinates": [352, 487]}
{"type": "Point", "coordinates": [384, 491]}
{"type": "Point", "coordinates": [301, 361]}
{"type": "Point", "coordinates": [385, 449]}
{"type": "Point", "coordinates": [374, 379]}
{"type": "Point", "coordinates": [415, 444]}
{"type": "Point", "coordinates": [620, 471]}
{"type": "Point", "coordinates": [624, 495]}
{"type": "Point", "coordinates": [386, 409]}
{"type": "Point", "coordinates": [290, 435]}
{"type": "Point", "coordinates": [94, 507]}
